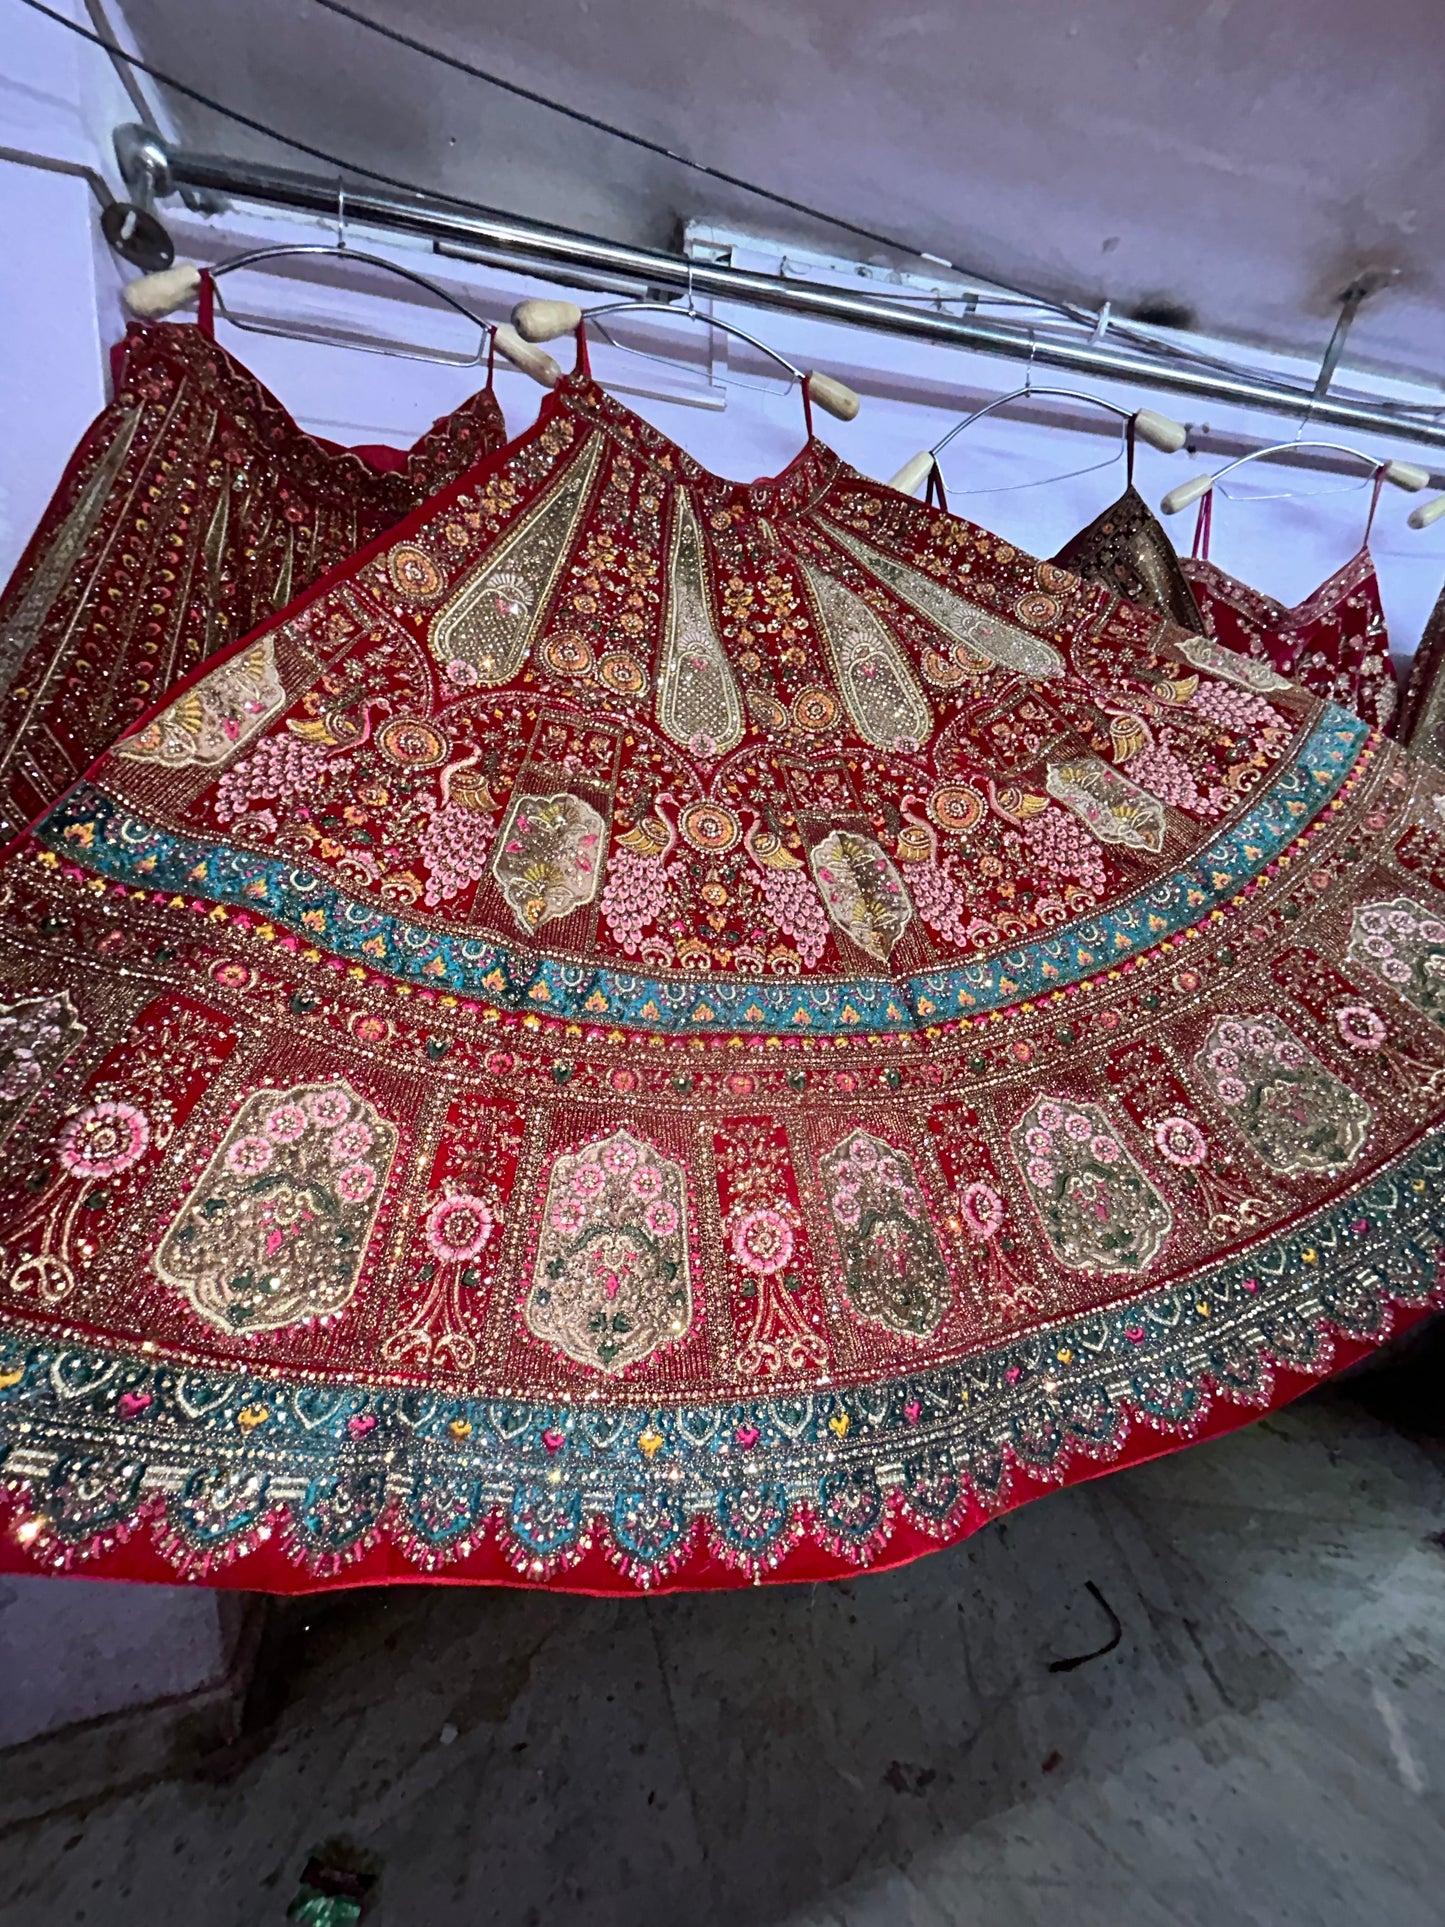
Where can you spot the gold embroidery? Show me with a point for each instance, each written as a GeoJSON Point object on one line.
{"type": "Point", "coordinates": [611, 1283]}
{"type": "Point", "coordinates": [215, 718]}
{"type": "Point", "coordinates": [888, 708]}
{"type": "Point", "coordinates": [22, 631]}
{"type": "Point", "coordinates": [492, 620]}
{"type": "Point", "coordinates": [862, 890]}
{"type": "Point", "coordinates": [1116, 810]}
{"type": "Point", "coordinates": [548, 857]}
{"type": "Point", "coordinates": [985, 634]}
{"type": "Point", "coordinates": [698, 704]}
{"type": "Point", "coordinates": [1228, 663]}
{"type": "Point", "coordinates": [275, 1231]}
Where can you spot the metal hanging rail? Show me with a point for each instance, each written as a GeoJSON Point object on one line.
{"type": "Point", "coordinates": [155, 169]}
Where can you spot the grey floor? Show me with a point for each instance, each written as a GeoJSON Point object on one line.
{"type": "Point", "coordinates": [1266, 1743]}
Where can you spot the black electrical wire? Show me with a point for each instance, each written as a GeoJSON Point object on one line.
{"type": "Point", "coordinates": [460, 66]}
{"type": "Point", "coordinates": [215, 106]}
{"type": "Point", "coordinates": [1404, 410]}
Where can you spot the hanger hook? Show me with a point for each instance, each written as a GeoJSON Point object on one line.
{"type": "Point", "coordinates": [1029, 369]}
{"type": "Point", "coordinates": [341, 214]}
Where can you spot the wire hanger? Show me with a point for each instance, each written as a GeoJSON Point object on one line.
{"type": "Point", "coordinates": [1158, 430]}
{"type": "Point", "coordinates": [537, 320]}
{"type": "Point", "coordinates": [152, 296]}
{"type": "Point", "coordinates": [1404, 475]}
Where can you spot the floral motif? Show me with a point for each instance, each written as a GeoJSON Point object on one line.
{"type": "Point", "coordinates": [1403, 942]}
{"type": "Point", "coordinates": [1179, 1141]}
{"type": "Point", "coordinates": [1097, 1207]}
{"type": "Point", "coordinates": [272, 1233]}
{"type": "Point", "coordinates": [610, 1282]}
{"type": "Point", "coordinates": [762, 1241]}
{"type": "Point", "coordinates": [104, 1139]}
{"type": "Point", "coordinates": [1361, 1026]}
{"type": "Point", "coordinates": [36, 1035]}
{"type": "Point", "coordinates": [457, 1227]}
{"type": "Point", "coordinates": [895, 1271]}
{"type": "Point", "coordinates": [1116, 810]}
{"type": "Point", "coordinates": [214, 719]}
{"type": "Point", "coordinates": [1293, 1112]}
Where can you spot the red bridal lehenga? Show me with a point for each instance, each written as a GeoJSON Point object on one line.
{"type": "Point", "coordinates": [651, 1031]}
{"type": "Point", "coordinates": [193, 507]}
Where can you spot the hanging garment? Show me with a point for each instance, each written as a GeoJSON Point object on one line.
{"type": "Point", "coordinates": [1334, 642]}
{"type": "Point", "coordinates": [1127, 550]}
{"type": "Point", "coordinates": [654, 1031]}
{"type": "Point", "coordinates": [193, 507]}
{"type": "Point", "coordinates": [1420, 721]}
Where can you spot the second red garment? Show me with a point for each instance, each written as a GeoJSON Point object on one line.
{"type": "Point", "coordinates": [193, 507]}
{"type": "Point", "coordinates": [1334, 642]}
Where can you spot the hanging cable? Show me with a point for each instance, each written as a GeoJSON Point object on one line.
{"type": "Point", "coordinates": [583, 119]}
{"type": "Point", "coordinates": [215, 106]}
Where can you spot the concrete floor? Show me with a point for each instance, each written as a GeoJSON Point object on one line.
{"type": "Point", "coordinates": [1266, 1743]}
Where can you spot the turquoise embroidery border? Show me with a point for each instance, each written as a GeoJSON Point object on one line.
{"type": "Point", "coordinates": [125, 848]}
{"type": "Point", "coordinates": [342, 1455]}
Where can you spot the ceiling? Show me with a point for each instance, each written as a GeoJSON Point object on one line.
{"type": "Point", "coordinates": [1237, 162]}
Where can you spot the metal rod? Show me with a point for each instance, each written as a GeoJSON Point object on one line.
{"type": "Point", "coordinates": [1349, 307]}
{"type": "Point", "coordinates": [542, 248]}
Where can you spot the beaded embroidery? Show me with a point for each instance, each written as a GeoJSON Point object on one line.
{"type": "Point", "coordinates": [775, 1156]}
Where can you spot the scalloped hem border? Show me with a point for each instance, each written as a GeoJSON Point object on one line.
{"type": "Point", "coordinates": [142, 1551]}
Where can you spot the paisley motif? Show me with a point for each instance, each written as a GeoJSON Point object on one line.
{"type": "Point", "coordinates": [888, 708]}
{"type": "Point", "coordinates": [980, 631]}
{"type": "Point", "coordinates": [698, 704]}
{"type": "Point", "coordinates": [490, 623]}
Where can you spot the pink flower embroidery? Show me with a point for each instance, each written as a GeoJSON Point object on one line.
{"type": "Point", "coordinates": [645, 1182]}
{"type": "Point", "coordinates": [1042, 1172]}
{"type": "Point", "coordinates": [249, 1156]}
{"type": "Point", "coordinates": [568, 1216]}
{"type": "Point", "coordinates": [353, 1140]}
{"type": "Point", "coordinates": [587, 1181]}
{"type": "Point", "coordinates": [285, 1124]}
{"type": "Point", "coordinates": [104, 1139]}
{"type": "Point", "coordinates": [1180, 1141]}
{"type": "Point", "coordinates": [457, 1228]}
{"type": "Point", "coordinates": [982, 1209]}
{"type": "Point", "coordinates": [661, 1218]}
{"type": "Point", "coordinates": [356, 1182]}
{"type": "Point", "coordinates": [619, 1156]}
{"type": "Point", "coordinates": [1078, 1127]}
{"type": "Point", "coordinates": [762, 1241]}
{"type": "Point", "coordinates": [1104, 1150]}
{"type": "Point", "coordinates": [1361, 1027]}
{"type": "Point", "coordinates": [327, 1108]}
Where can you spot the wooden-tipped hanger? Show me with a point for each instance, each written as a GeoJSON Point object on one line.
{"type": "Point", "coordinates": [1403, 474]}
{"type": "Point", "coordinates": [1428, 512]}
{"type": "Point", "coordinates": [1156, 429]}
{"type": "Point", "coordinates": [538, 320]}
{"type": "Point", "coordinates": [154, 295]}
